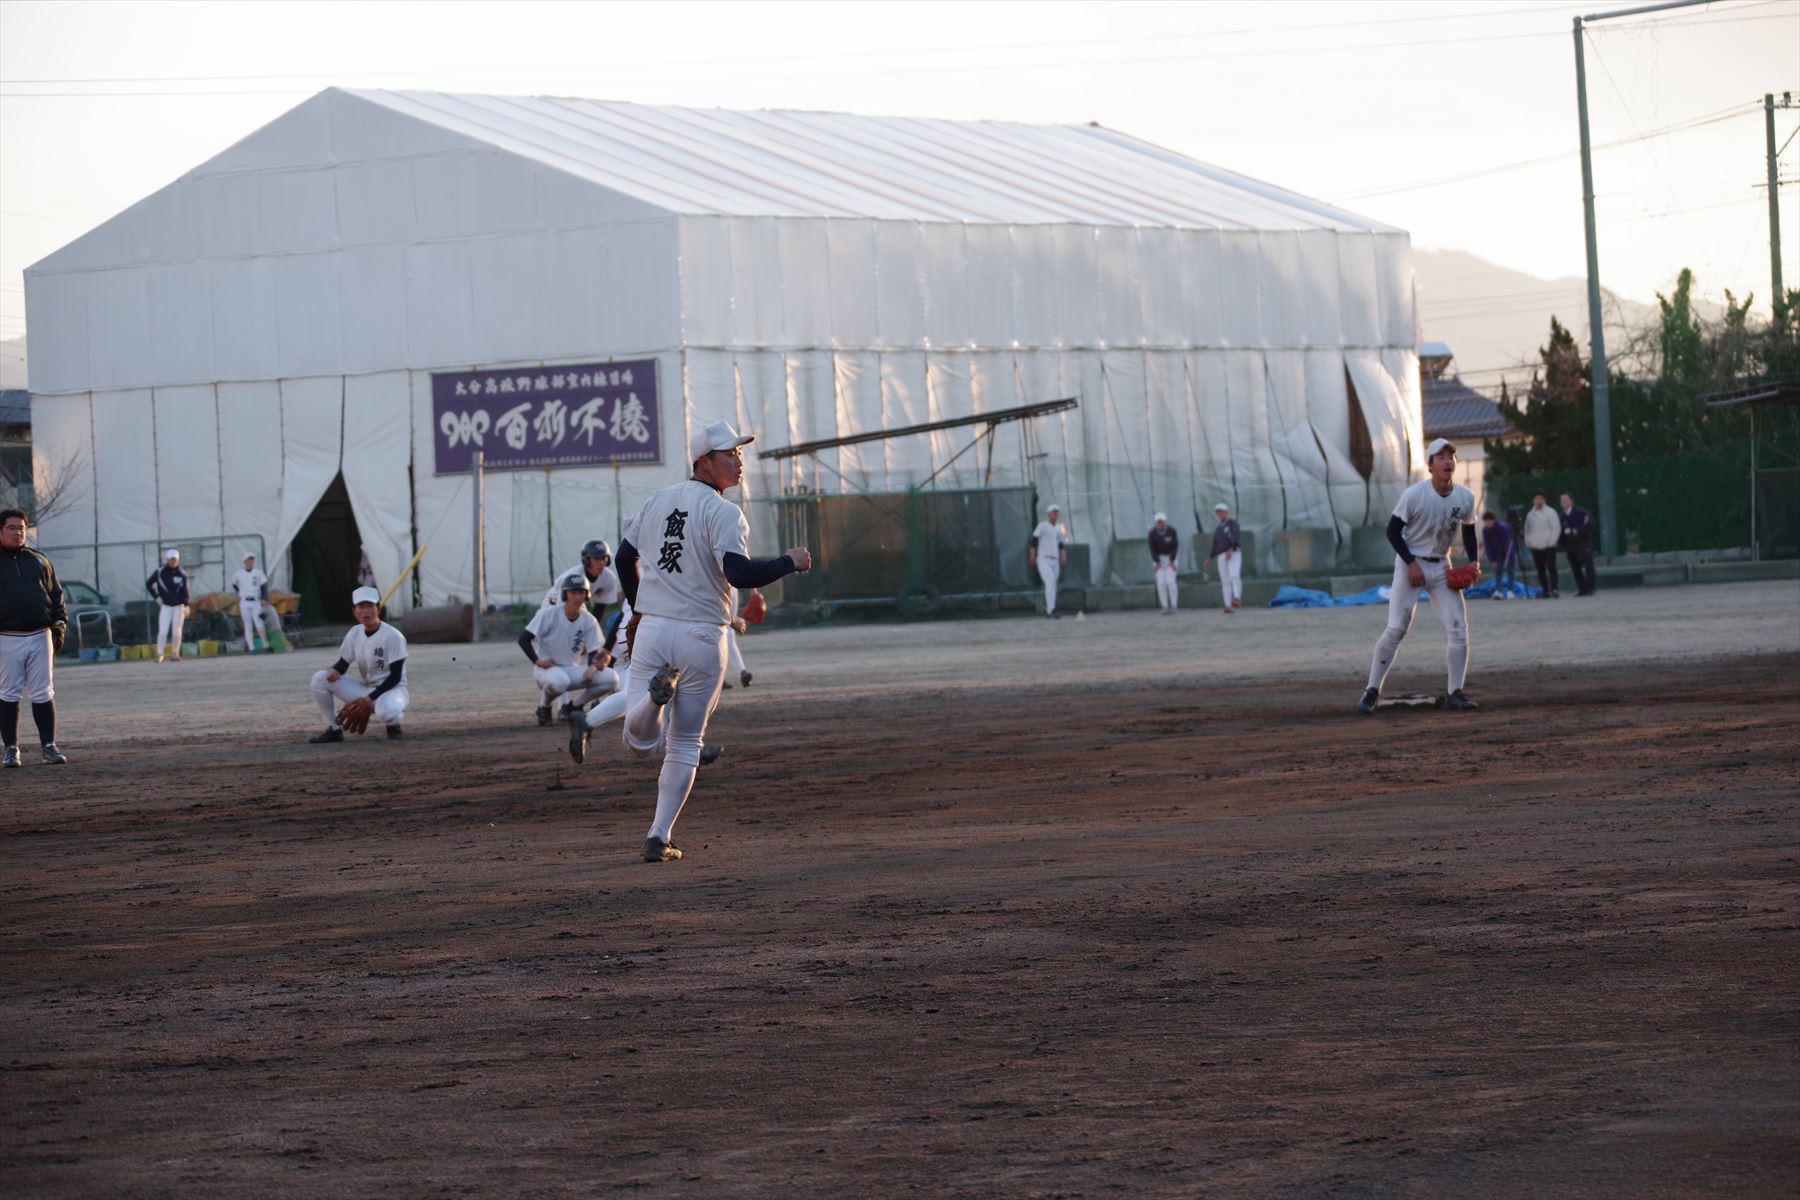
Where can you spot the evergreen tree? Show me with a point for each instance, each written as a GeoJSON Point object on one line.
{"type": "Point", "coordinates": [1556, 416]}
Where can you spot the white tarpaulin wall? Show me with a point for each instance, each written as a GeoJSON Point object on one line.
{"type": "Point", "coordinates": [224, 349]}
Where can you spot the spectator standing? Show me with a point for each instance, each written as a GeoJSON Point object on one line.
{"type": "Point", "coordinates": [1543, 530]}
{"type": "Point", "coordinates": [1578, 544]}
{"type": "Point", "coordinates": [168, 587]}
{"type": "Point", "coordinates": [1228, 550]}
{"type": "Point", "coordinates": [1165, 543]}
{"type": "Point", "coordinates": [1497, 544]}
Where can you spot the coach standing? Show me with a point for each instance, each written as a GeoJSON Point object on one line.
{"type": "Point", "coordinates": [168, 587]}
{"type": "Point", "coordinates": [32, 623]}
{"type": "Point", "coordinates": [1227, 548]}
{"type": "Point", "coordinates": [1578, 543]}
{"type": "Point", "coordinates": [1543, 530]}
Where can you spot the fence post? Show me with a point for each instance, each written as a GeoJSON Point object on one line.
{"type": "Point", "coordinates": [479, 587]}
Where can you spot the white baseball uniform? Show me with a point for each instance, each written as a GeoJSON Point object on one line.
{"type": "Point", "coordinates": [373, 656]}
{"type": "Point", "coordinates": [567, 643]}
{"type": "Point", "coordinates": [613, 706]}
{"type": "Point", "coordinates": [605, 590]}
{"type": "Point", "coordinates": [249, 588]}
{"type": "Point", "coordinates": [1049, 540]}
{"type": "Point", "coordinates": [682, 535]}
{"type": "Point", "coordinates": [25, 661]}
{"type": "Point", "coordinates": [1433, 524]}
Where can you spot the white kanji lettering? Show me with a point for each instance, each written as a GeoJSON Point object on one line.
{"type": "Point", "coordinates": [460, 389]}
{"type": "Point", "coordinates": [556, 381]}
{"type": "Point", "coordinates": [551, 422]}
{"type": "Point", "coordinates": [506, 387]}
{"type": "Point", "coordinates": [514, 424]}
{"type": "Point", "coordinates": [589, 419]}
{"type": "Point", "coordinates": [492, 389]}
{"type": "Point", "coordinates": [628, 420]}
{"type": "Point", "coordinates": [627, 376]}
{"type": "Point", "coordinates": [541, 384]}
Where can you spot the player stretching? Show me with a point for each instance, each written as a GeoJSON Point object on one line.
{"type": "Point", "coordinates": [563, 644]}
{"type": "Point", "coordinates": [1422, 530]}
{"type": "Point", "coordinates": [379, 652]}
{"type": "Point", "coordinates": [694, 549]}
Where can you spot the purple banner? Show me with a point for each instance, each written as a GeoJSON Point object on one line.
{"type": "Point", "coordinates": [590, 414]}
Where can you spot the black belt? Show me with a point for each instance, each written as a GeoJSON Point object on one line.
{"type": "Point", "coordinates": [1422, 558]}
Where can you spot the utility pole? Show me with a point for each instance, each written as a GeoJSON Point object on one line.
{"type": "Point", "coordinates": [1776, 295]}
{"type": "Point", "coordinates": [479, 585]}
{"type": "Point", "coordinates": [1603, 464]}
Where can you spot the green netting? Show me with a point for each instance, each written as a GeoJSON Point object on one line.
{"type": "Point", "coordinates": [1695, 501]}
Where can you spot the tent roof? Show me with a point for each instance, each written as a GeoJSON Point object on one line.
{"type": "Point", "coordinates": [799, 164]}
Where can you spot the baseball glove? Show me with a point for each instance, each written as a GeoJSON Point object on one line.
{"type": "Point", "coordinates": [1458, 578]}
{"type": "Point", "coordinates": [354, 716]}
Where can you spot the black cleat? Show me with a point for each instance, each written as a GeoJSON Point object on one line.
{"type": "Point", "coordinates": [744, 677]}
{"type": "Point", "coordinates": [1368, 701]}
{"type": "Point", "coordinates": [578, 736]}
{"type": "Point", "coordinates": [710, 755]}
{"type": "Point", "coordinates": [334, 734]}
{"type": "Point", "coordinates": [395, 733]}
{"type": "Point", "coordinates": [543, 715]}
{"type": "Point", "coordinates": [1458, 701]}
{"type": "Point", "coordinates": [53, 756]}
{"type": "Point", "coordinates": [10, 757]}
{"type": "Point", "coordinates": [656, 850]}
{"type": "Point", "coordinates": [662, 684]}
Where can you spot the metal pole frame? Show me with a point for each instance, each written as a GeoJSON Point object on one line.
{"type": "Point", "coordinates": [1777, 297]}
{"type": "Point", "coordinates": [479, 584]}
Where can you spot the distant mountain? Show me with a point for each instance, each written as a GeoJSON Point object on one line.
{"type": "Point", "coordinates": [1494, 318]}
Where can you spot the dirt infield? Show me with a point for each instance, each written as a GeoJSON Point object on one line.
{"type": "Point", "coordinates": [1127, 906]}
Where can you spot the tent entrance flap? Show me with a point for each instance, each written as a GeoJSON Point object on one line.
{"type": "Point", "coordinates": [326, 556]}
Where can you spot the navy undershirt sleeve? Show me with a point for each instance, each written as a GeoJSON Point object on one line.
{"type": "Point", "coordinates": [626, 563]}
{"type": "Point", "coordinates": [1469, 541]}
{"type": "Point", "coordinates": [341, 665]}
{"type": "Point", "coordinates": [392, 681]}
{"type": "Point", "coordinates": [743, 572]}
{"type": "Point", "coordinates": [525, 640]}
{"type": "Point", "coordinates": [1398, 542]}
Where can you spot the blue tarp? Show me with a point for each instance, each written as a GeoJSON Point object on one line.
{"type": "Point", "coordinates": [1298, 597]}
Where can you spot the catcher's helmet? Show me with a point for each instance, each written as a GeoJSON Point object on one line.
{"type": "Point", "coordinates": [597, 548]}
{"type": "Point", "coordinates": [575, 581]}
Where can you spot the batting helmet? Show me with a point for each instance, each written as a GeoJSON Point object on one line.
{"type": "Point", "coordinates": [597, 548]}
{"type": "Point", "coordinates": [575, 581]}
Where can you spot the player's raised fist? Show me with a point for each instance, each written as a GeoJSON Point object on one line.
{"type": "Point", "coordinates": [802, 558]}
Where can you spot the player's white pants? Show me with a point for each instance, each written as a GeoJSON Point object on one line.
{"type": "Point", "coordinates": [734, 658]}
{"type": "Point", "coordinates": [1049, 569]}
{"type": "Point", "coordinates": [168, 627]}
{"type": "Point", "coordinates": [697, 650]}
{"type": "Point", "coordinates": [390, 706]}
{"type": "Point", "coordinates": [251, 610]}
{"type": "Point", "coordinates": [1165, 582]}
{"type": "Point", "coordinates": [567, 682]}
{"type": "Point", "coordinates": [25, 661]}
{"type": "Point", "coordinates": [1450, 609]}
{"type": "Point", "coordinates": [1231, 576]}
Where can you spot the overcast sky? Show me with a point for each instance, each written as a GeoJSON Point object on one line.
{"type": "Point", "coordinates": [1418, 114]}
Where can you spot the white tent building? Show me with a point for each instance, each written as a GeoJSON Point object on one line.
{"type": "Point", "coordinates": [212, 359]}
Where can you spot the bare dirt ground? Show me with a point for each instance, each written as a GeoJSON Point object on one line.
{"type": "Point", "coordinates": [1123, 906]}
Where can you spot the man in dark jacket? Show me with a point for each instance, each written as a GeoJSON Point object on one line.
{"type": "Point", "coordinates": [1578, 544]}
{"type": "Point", "coordinates": [32, 623]}
{"type": "Point", "coordinates": [169, 588]}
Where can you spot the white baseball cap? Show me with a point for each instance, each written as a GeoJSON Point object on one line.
{"type": "Point", "coordinates": [249, 557]}
{"type": "Point", "coordinates": [1160, 517]}
{"type": "Point", "coordinates": [717, 436]}
{"type": "Point", "coordinates": [365, 596]}
{"type": "Point", "coordinates": [1221, 506]}
{"type": "Point", "coordinates": [1050, 508]}
{"type": "Point", "coordinates": [171, 552]}
{"type": "Point", "coordinates": [1438, 444]}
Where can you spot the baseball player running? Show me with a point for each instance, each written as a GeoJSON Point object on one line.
{"type": "Point", "coordinates": [695, 550]}
{"type": "Point", "coordinates": [252, 588]}
{"type": "Point", "coordinates": [32, 622]}
{"type": "Point", "coordinates": [1227, 548]}
{"type": "Point", "coordinates": [378, 651]}
{"type": "Point", "coordinates": [1422, 531]}
{"type": "Point", "coordinates": [596, 568]}
{"type": "Point", "coordinates": [1048, 550]}
{"type": "Point", "coordinates": [168, 587]}
{"type": "Point", "coordinates": [567, 658]}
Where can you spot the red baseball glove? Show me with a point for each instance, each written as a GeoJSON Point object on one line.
{"type": "Point", "coordinates": [354, 716]}
{"type": "Point", "coordinates": [1458, 578]}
